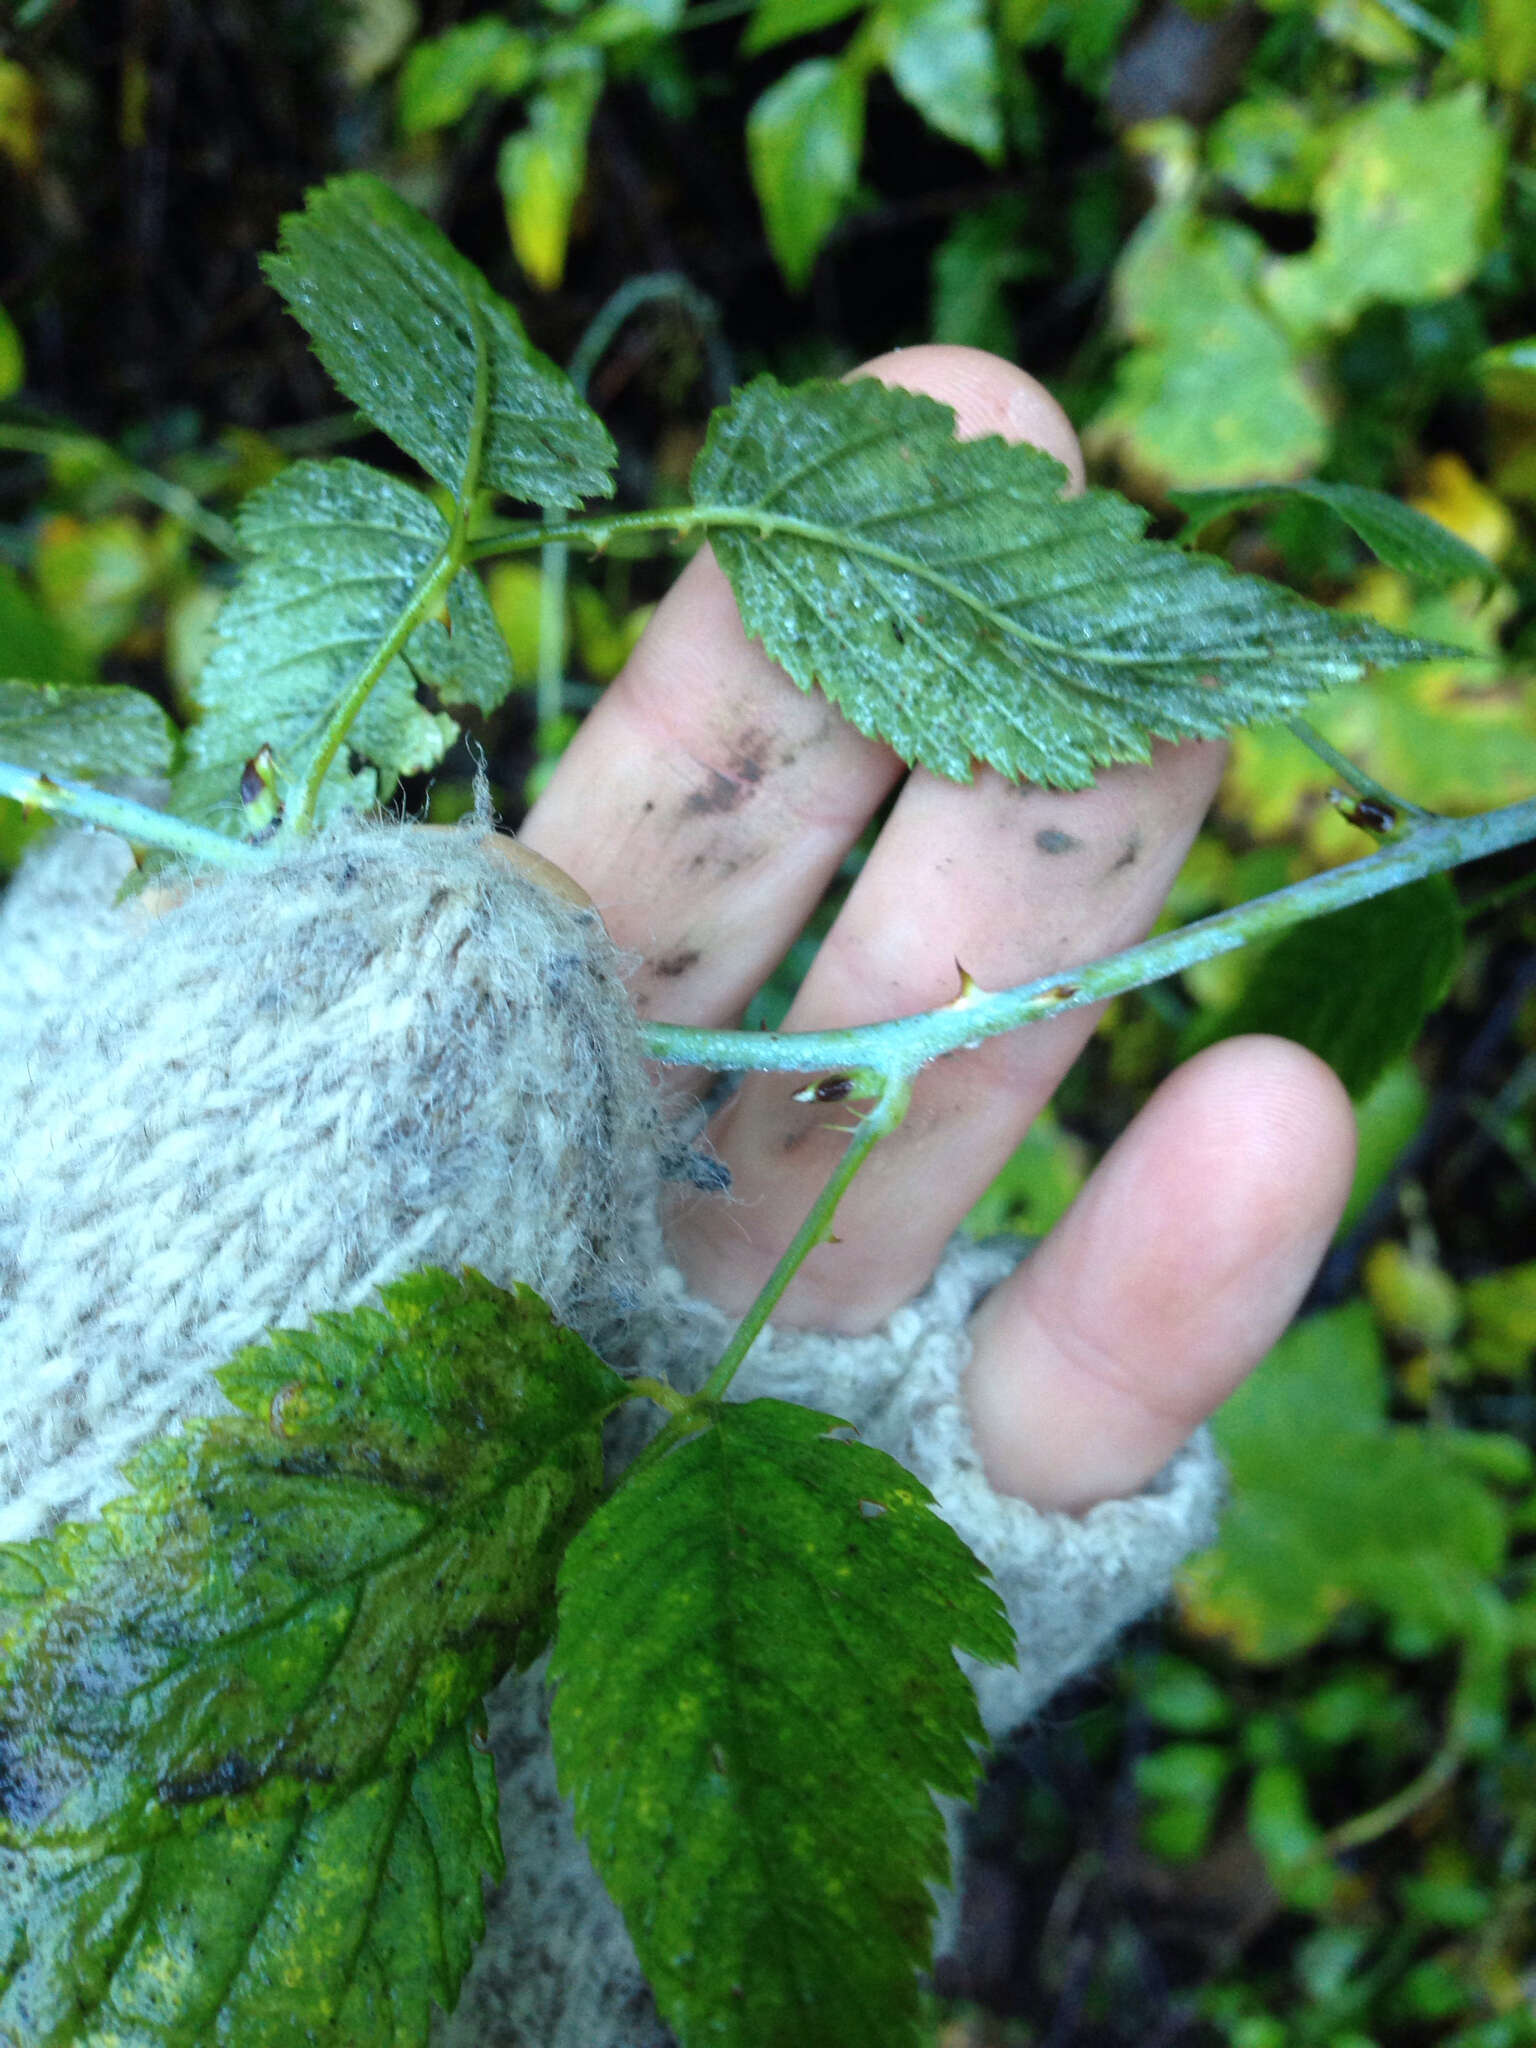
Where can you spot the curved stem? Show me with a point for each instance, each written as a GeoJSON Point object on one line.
{"type": "Point", "coordinates": [894, 1093]}
{"type": "Point", "coordinates": [906, 1043]}
{"type": "Point", "coordinates": [136, 822]}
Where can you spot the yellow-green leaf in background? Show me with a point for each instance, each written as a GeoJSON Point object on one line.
{"type": "Point", "coordinates": [95, 575]}
{"type": "Point", "coordinates": [543, 167]}
{"type": "Point", "coordinates": [36, 645]}
{"type": "Point", "coordinates": [804, 140]}
{"type": "Point", "coordinates": [1501, 1314]}
{"type": "Point", "coordinates": [20, 116]}
{"type": "Point", "coordinates": [1271, 149]}
{"type": "Point", "coordinates": [444, 75]}
{"type": "Point", "coordinates": [1335, 1508]}
{"type": "Point", "coordinates": [1509, 41]}
{"type": "Point", "coordinates": [943, 59]}
{"type": "Point", "coordinates": [1212, 392]}
{"type": "Point", "coordinates": [1386, 1120]}
{"type": "Point", "coordinates": [13, 363]}
{"type": "Point", "coordinates": [1405, 208]}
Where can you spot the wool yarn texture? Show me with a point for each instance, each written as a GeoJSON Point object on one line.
{"type": "Point", "coordinates": [382, 1051]}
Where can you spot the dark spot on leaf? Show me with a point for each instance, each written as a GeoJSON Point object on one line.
{"type": "Point", "coordinates": [678, 963]}
{"type": "Point", "coordinates": [235, 1774]}
{"type": "Point", "coordinates": [1051, 839]}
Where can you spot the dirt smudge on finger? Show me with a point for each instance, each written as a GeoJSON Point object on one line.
{"type": "Point", "coordinates": [1051, 839]}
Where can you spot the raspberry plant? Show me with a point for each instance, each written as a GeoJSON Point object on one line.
{"type": "Point", "coordinates": [275, 1749]}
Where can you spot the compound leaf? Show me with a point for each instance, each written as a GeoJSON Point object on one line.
{"type": "Point", "coordinates": [414, 335]}
{"type": "Point", "coordinates": [1397, 534]}
{"type": "Point", "coordinates": [304, 1595]}
{"type": "Point", "coordinates": [950, 601]}
{"type": "Point", "coordinates": [339, 1924]}
{"type": "Point", "coordinates": [337, 551]}
{"type": "Point", "coordinates": [85, 730]}
{"type": "Point", "coordinates": [756, 1690]}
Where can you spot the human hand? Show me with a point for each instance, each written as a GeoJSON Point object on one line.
{"type": "Point", "coordinates": [707, 803]}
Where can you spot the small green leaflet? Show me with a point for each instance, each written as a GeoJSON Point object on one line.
{"type": "Point", "coordinates": [416, 338]}
{"type": "Point", "coordinates": [337, 551]}
{"type": "Point", "coordinates": [1354, 987]}
{"type": "Point", "coordinates": [357, 1915]}
{"type": "Point", "coordinates": [1395, 533]}
{"type": "Point", "coordinates": [84, 730]}
{"type": "Point", "coordinates": [303, 1596]}
{"type": "Point", "coordinates": [950, 601]}
{"type": "Point", "coordinates": [756, 1690]}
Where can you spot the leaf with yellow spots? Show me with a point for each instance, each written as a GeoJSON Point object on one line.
{"type": "Point", "coordinates": [1406, 211]}
{"type": "Point", "coordinates": [302, 1597]}
{"type": "Point", "coordinates": [757, 1692]}
{"type": "Point", "coordinates": [340, 1925]}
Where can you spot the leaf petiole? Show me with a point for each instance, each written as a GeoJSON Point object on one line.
{"type": "Point", "coordinates": [893, 1092]}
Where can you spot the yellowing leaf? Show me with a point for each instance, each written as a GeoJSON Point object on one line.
{"type": "Point", "coordinates": [542, 168]}
{"type": "Point", "coordinates": [1453, 495]}
{"type": "Point", "coordinates": [1212, 392]}
{"type": "Point", "coordinates": [1405, 209]}
{"type": "Point", "coordinates": [20, 107]}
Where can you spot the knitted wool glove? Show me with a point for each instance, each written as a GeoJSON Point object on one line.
{"type": "Point", "coordinates": [386, 1051]}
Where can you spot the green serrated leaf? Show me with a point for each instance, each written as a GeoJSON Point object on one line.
{"type": "Point", "coordinates": [305, 1595]}
{"type": "Point", "coordinates": [1397, 534]}
{"type": "Point", "coordinates": [805, 136]}
{"type": "Point", "coordinates": [1334, 1507]}
{"type": "Point", "coordinates": [338, 1925]}
{"type": "Point", "coordinates": [337, 550]}
{"type": "Point", "coordinates": [85, 730]}
{"type": "Point", "coordinates": [416, 338]}
{"type": "Point", "coordinates": [756, 1690]}
{"type": "Point", "coordinates": [1355, 987]}
{"type": "Point", "coordinates": [951, 601]}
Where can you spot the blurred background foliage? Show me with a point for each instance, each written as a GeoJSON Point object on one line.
{"type": "Point", "coordinates": [1245, 241]}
